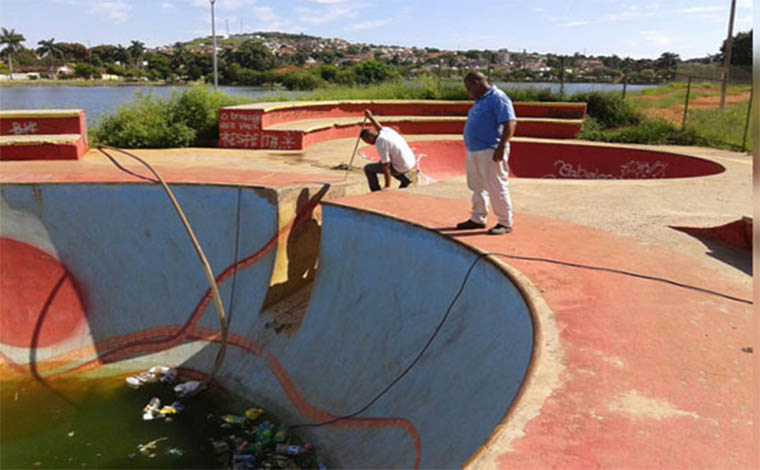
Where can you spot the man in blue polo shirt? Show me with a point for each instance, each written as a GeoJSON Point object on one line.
{"type": "Point", "coordinates": [490, 126]}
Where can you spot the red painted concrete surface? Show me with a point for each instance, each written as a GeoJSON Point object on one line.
{"type": "Point", "coordinates": [37, 124]}
{"type": "Point", "coordinates": [33, 122]}
{"type": "Point", "coordinates": [246, 127]}
{"type": "Point", "coordinates": [446, 158]}
{"type": "Point", "coordinates": [655, 375]}
{"type": "Point", "coordinates": [95, 168]}
{"type": "Point", "coordinates": [67, 151]}
{"type": "Point", "coordinates": [41, 304]}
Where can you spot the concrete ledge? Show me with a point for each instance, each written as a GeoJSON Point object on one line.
{"type": "Point", "coordinates": [39, 113]}
{"type": "Point", "coordinates": [247, 126]}
{"type": "Point", "coordinates": [42, 147]}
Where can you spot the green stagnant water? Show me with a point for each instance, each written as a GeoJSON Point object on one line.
{"type": "Point", "coordinates": [97, 423]}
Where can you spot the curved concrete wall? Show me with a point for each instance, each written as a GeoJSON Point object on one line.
{"type": "Point", "coordinates": [381, 289]}
{"type": "Point", "coordinates": [530, 159]}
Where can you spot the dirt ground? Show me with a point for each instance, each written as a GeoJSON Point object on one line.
{"type": "Point", "coordinates": [674, 114]}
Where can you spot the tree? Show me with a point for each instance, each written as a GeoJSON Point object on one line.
{"type": "Point", "coordinates": [254, 55]}
{"type": "Point", "coordinates": [741, 49]}
{"type": "Point", "coordinates": [50, 50]}
{"type": "Point", "coordinates": [86, 71]}
{"type": "Point", "coordinates": [74, 51]}
{"type": "Point", "coordinates": [160, 65]}
{"type": "Point", "coordinates": [12, 41]}
{"type": "Point", "coordinates": [105, 52]}
{"type": "Point", "coordinates": [667, 60]}
{"type": "Point", "coordinates": [136, 50]}
{"type": "Point", "coordinates": [373, 71]}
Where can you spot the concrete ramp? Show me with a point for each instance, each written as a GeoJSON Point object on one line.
{"type": "Point", "coordinates": [117, 287]}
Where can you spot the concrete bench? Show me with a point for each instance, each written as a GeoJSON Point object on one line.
{"type": "Point", "coordinates": [296, 125]}
{"type": "Point", "coordinates": [56, 134]}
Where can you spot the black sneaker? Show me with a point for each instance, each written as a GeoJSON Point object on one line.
{"type": "Point", "coordinates": [499, 229]}
{"type": "Point", "coordinates": [469, 224]}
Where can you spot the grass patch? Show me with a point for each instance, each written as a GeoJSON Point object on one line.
{"type": "Point", "coordinates": [722, 129]}
{"type": "Point", "coordinates": [648, 131]}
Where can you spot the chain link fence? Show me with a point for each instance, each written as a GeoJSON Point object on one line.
{"type": "Point", "coordinates": [722, 120]}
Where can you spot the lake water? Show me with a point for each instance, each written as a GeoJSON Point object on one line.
{"type": "Point", "coordinates": [97, 100]}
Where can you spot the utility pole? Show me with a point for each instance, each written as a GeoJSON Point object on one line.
{"type": "Point", "coordinates": [727, 55]}
{"type": "Point", "coordinates": [213, 36]}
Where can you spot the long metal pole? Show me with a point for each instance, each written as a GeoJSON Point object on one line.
{"type": "Point", "coordinates": [686, 104]}
{"type": "Point", "coordinates": [749, 115]}
{"type": "Point", "coordinates": [727, 55]}
{"type": "Point", "coordinates": [213, 37]}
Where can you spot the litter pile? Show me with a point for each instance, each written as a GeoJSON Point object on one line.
{"type": "Point", "coordinates": [239, 441]}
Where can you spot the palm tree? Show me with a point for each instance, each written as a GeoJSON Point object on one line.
{"type": "Point", "coordinates": [49, 49]}
{"type": "Point", "coordinates": [12, 41]}
{"type": "Point", "coordinates": [136, 49]}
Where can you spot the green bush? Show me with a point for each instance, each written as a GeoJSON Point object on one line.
{"type": "Point", "coordinates": [609, 110]}
{"type": "Point", "coordinates": [198, 108]}
{"type": "Point", "coordinates": [146, 122]}
{"type": "Point", "coordinates": [648, 131]}
{"type": "Point", "coordinates": [300, 80]}
{"type": "Point", "coordinates": [187, 118]}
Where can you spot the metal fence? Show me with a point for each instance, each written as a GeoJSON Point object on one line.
{"type": "Point", "coordinates": [703, 94]}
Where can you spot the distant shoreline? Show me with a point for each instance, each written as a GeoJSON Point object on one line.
{"type": "Point", "coordinates": [88, 83]}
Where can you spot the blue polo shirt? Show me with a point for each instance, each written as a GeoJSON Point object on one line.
{"type": "Point", "coordinates": [485, 121]}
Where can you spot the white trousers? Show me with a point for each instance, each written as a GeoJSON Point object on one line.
{"type": "Point", "coordinates": [488, 179]}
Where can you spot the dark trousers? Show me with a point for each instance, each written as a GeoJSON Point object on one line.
{"type": "Point", "coordinates": [373, 169]}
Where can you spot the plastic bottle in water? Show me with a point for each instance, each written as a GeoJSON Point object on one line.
{"type": "Point", "coordinates": [293, 449]}
{"type": "Point", "coordinates": [233, 419]}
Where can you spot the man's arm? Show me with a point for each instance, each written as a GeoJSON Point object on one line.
{"type": "Point", "coordinates": [372, 120]}
{"type": "Point", "coordinates": [506, 136]}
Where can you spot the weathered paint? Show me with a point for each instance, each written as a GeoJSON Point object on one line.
{"type": "Point", "coordinates": [250, 126]}
{"type": "Point", "coordinates": [43, 134]}
{"type": "Point", "coordinates": [533, 159]}
{"type": "Point", "coordinates": [381, 288]}
{"type": "Point", "coordinates": [655, 373]}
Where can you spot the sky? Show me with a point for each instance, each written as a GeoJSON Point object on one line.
{"type": "Point", "coordinates": [637, 29]}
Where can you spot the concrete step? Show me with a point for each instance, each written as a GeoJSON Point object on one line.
{"type": "Point", "coordinates": [42, 147]}
{"type": "Point", "coordinates": [51, 134]}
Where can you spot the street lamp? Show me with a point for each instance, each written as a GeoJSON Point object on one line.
{"type": "Point", "coordinates": [213, 37]}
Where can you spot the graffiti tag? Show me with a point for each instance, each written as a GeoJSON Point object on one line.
{"type": "Point", "coordinates": [634, 169]}
{"type": "Point", "coordinates": [18, 128]}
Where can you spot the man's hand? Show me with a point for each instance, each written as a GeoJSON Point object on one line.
{"type": "Point", "coordinates": [498, 154]}
{"type": "Point", "coordinates": [367, 113]}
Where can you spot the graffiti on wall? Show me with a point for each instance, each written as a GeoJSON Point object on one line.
{"type": "Point", "coordinates": [243, 130]}
{"type": "Point", "coordinates": [23, 128]}
{"type": "Point", "coordinates": [633, 169]}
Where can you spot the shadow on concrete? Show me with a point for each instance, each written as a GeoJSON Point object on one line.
{"type": "Point", "coordinates": [302, 249]}
{"type": "Point", "coordinates": [736, 257]}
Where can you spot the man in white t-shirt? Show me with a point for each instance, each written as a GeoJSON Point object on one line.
{"type": "Point", "coordinates": [396, 158]}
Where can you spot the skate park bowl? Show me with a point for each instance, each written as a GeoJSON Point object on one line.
{"type": "Point", "coordinates": [99, 279]}
{"type": "Point", "coordinates": [442, 159]}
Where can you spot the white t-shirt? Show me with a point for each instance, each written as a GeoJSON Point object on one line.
{"type": "Point", "coordinates": [393, 148]}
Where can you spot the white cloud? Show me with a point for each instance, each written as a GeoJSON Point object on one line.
{"type": "Point", "coordinates": [117, 11]}
{"type": "Point", "coordinates": [657, 37]}
{"type": "Point", "coordinates": [326, 14]}
{"type": "Point", "coordinates": [694, 10]}
{"type": "Point", "coordinates": [574, 24]}
{"type": "Point", "coordinates": [326, 2]}
{"type": "Point", "coordinates": [369, 25]}
{"type": "Point", "coordinates": [167, 6]}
